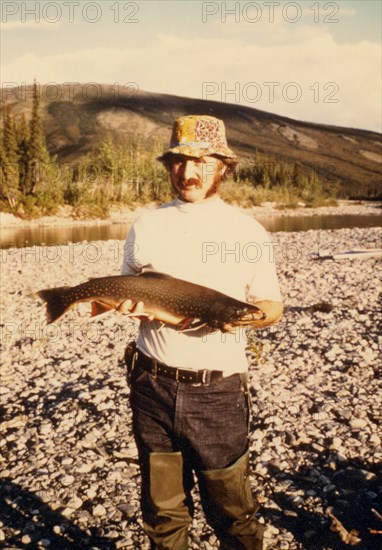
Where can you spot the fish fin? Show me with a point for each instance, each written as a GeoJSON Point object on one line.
{"type": "Point", "coordinates": [154, 275]}
{"type": "Point", "coordinates": [184, 323]}
{"type": "Point", "coordinates": [195, 328]}
{"type": "Point", "coordinates": [137, 315]}
{"type": "Point", "coordinates": [55, 304]}
{"type": "Point", "coordinates": [99, 307]}
{"type": "Point", "coordinates": [190, 323]}
{"type": "Point", "coordinates": [231, 329]}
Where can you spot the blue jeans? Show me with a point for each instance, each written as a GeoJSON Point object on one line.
{"type": "Point", "coordinates": [180, 428]}
{"type": "Point", "coordinates": [209, 424]}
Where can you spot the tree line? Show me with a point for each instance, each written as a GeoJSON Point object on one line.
{"type": "Point", "coordinates": [34, 183]}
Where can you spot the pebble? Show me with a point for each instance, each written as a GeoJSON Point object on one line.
{"type": "Point", "coordinates": [75, 503]}
{"type": "Point", "coordinates": [99, 510]}
{"type": "Point", "coordinates": [67, 480]}
{"type": "Point", "coordinates": [84, 468]}
{"type": "Point", "coordinates": [68, 511]}
{"type": "Point", "coordinates": [375, 440]}
{"type": "Point", "coordinates": [67, 433]}
{"type": "Point", "coordinates": [45, 428]}
{"type": "Point", "coordinates": [357, 423]}
{"type": "Point", "coordinates": [310, 534]}
{"type": "Point", "coordinates": [92, 491]}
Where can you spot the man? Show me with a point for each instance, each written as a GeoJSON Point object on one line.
{"type": "Point", "coordinates": [188, 389]}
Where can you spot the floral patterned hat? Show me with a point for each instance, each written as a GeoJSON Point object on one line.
{"type": "Point", "coordinates": [197, 135]}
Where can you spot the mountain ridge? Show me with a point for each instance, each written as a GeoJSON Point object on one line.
{"type": "Point", "coordinates": [78, 122]}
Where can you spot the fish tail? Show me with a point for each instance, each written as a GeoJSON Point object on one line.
{"type": "Point", "coordinates": [56, 305]}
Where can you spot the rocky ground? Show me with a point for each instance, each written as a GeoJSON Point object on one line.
{"type": "Point", "coordinates": [69, 476]}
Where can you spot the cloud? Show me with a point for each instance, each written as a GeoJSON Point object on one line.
{"type": "Point", "coordinates": [29, 25]}
{"type": "Point", "coordinates": [310, 78]}
{"type": "Point", "coordinates": [271, 22]}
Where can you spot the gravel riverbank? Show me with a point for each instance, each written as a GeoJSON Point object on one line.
{"type": "Point", "coordinates": [69, 476]}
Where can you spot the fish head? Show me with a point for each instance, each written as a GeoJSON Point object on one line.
{"type": "Point", "coordinates": [242, 316]}
{"type": "Point", "coordinates": [229, 316]}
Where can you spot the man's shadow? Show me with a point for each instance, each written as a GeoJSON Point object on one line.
{"type": "Point", "coordinates": [350, 492]}
{"type": "Point", "coordinates": [30, 520]}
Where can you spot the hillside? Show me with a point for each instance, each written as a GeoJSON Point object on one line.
{"type": "Point", "coordinates": [81, 116]}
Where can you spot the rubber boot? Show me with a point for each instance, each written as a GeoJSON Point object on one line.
{"type": "Point", "coordinates": [230, 507]}
{"type": "Point", "coordinates": [165, 510]}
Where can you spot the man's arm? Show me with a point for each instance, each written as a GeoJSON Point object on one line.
{"type": "Point", "coordinates": [264, 289]}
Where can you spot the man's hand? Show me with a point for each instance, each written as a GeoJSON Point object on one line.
{"type": "Point", "coordinates": [135, 311]}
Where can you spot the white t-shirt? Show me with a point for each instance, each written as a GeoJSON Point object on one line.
{"type": "Point", "coordinates": [211, 244]}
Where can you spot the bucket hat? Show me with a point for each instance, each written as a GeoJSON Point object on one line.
{"type": "Point", "coordinates": [197, 136]}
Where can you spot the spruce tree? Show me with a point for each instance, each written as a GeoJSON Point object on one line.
{"type": "Point", "coordinates": [37, 152]}
{"type": "Point", "coordinates": [297, 177]}
{"type": "Point", "coordinates": [22, 147]}
{"type": "Point", "coordinates": [9, 158]}
{"type": "Point", "coordinates": [4, 172]}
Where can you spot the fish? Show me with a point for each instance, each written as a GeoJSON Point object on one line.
{"type": "Point", "coordinates": [185, 305]}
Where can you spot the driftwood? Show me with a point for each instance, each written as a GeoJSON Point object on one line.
{"type": "Point", "coordinates": [378, 516]}
{"type": "Point", "coordinates": [348, 537]}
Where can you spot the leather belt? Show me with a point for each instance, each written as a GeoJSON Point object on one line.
{"type": "Point", "coordinates": [188, 376]}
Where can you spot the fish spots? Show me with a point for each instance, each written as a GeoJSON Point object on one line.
{"type": "Point", "coordinates": [171, 298]}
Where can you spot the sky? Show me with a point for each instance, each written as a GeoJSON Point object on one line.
{"type": "Point", "coordinates": [318, 61]}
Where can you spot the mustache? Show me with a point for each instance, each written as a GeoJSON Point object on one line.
{"type": "Point", "coordinates": [191, 181]}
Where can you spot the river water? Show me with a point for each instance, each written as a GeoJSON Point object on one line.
{"type": "Point", "coordinates": [57, 235]}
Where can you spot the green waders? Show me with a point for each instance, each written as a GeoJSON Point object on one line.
{"type": "Point", "coordinates": [230, 508]}
{"type": "Point", "coordinates": [166, 515]}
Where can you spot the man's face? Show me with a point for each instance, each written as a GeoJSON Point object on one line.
{"type": "Point", "coordinates": [196, 179]}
